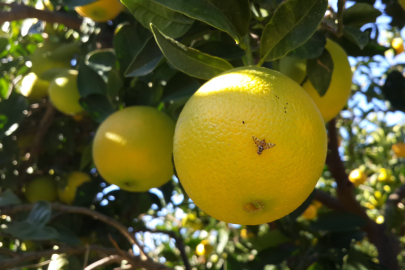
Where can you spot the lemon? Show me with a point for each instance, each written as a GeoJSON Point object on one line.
{"type": "Point", "coordinates": [64, 93]}
{"type": "Point", "coordinates": [133, 148]}
{"type": "Point", "coordinates": [217, 156]}
{"type": "Point", "coordinates": [41, 188]}
{"type": "Point", "coordinates": [357, 177]}
{"type": "Point", "coordinates": [399, 149]}
{"type": "Point", "coordinates": [33, 87]}
{"type": "Point", "coordinates": [101, 10]}
{"type": "Point", "coordinates": [41, 59]}
{"type": "Point", "coordinates": [340, 86]}
{"type": "Point", "coordinates": [398, 45]}
{"type": "Point", "coordinates": [310, 213]}
{"type": "Point", "coordinates": [384, 175]}
{"type": "Point", "coordinates": [204, 248]}
{"type": "Point", "coordinates": [67, 194]}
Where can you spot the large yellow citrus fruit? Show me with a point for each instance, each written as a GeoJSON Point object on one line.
{"type": "Point", "coordinates": [41, 188]}
{"type": "Point", "coordinates": [42, 61]}
{"type": "Point", "coordinates": [33, 87]}
{"type": "Point", "coordinates": [67, 194]}
{"type": "Point", "coordinates": [64, 93]}
{"type": "Point", "coordinates": [340, 86]}
{"type": "Point", "coordinates": [357, 177]}
{"type": "Point", "coordinates": [221, 166]}
{"type": "Point", "coordinates": [101, 10]}
{"type": "Point", "coordinates": [399, 149]}
{"type": "Point", "coordinates": [133, 148]}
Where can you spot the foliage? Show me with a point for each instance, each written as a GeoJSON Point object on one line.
{"type": "Point", "coordinates": [158, 53]}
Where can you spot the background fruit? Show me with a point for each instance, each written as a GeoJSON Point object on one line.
{"type": "Point", "coordinates": [310, 213]}
{"type": "Point", "coordinates": [67, 194]}
{"type": "Point", "coordinates": [133, 148]}
{"type": "Point", "coordinates": [33, 87]}
{"type": "Point", "coordinates": [398, 45]}
{"type": "Point", "coordinates": [204, 248]}
{"type": "Point", "coordinates": [399, 149]}
{"type": "Point", "coordinates": [64, 93]}
{"type": "Point", "coordinates": [384, 175]}
{"type": "Point", "coordinates": [216, 158]}
{"type": "Point", "coordinates": [101, 10]}
{"type": "Point", "coordinates": [41, 188]}
{"type": "Point", "coordinates": [42, 60]}
{"type": "Point", "coordinates": [357, 177]}
{"type": "Point", "coordinates": [294, 68]}
{"type": "Point", "coordinates": [340, 86]}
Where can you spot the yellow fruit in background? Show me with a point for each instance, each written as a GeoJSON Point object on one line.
{"type": "Point", "coordinates": [204, 248]}
{"type": "Point", "coordinates": [64, 93]}
{"type": "Point", "coordinates": [310, 213]}
{"type": "Point", "coordinates": [317, 204]}
{"type": "Point", "coordinates": [402, 3]}
{"type": "Point", "coordinates": [340, 86]}
{"type": "Point", "coordinates": [399, 149]}
{"type": "Point", "coordinates": [101, 10]}
{"type": "Point", "coordinates": [133, 148]}
{"type": "Point", "coordinates": [217, 159]}
{"type": "Point", "coordinates": [384, 175]}
{"type": "Point", "coordinates": [41, 188]}
{"type": "Point", "coordinates": [245, 234]}
{"type": "Point", "coordinates": [357, 177]}
{"type": "Point", "coordinates": [294, 68]}
{"type": "Point", "coordinates": [33, 87]}
{"type": "Point", "coordinates": [398, 45]}
{"type": "Point", "coordinates": [42, 61]}
{"type": "Point", "coordinates": [74, 180]}
{"type": "Point", "coordinates": [191, 221]}
{"type": "Point", "coordinates": [379, 220]}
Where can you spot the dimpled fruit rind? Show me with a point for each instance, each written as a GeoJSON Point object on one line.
{"type": "Point", "coordinates": [217, 160]}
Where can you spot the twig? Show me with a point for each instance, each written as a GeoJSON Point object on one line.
{"type": "Point", "coordinates": [105, 261]}
{"type": "Point", "coordinates": [43, 128]}
{"type": "Point", "coordinates": [327, 200]}
{"type": "Point", "coordinates": [8, 210]}
{"type": "Point", "coordinates": [37, 265]}
{"type": "Point", "coordinates": [86, 256]}
{"type": "Point", "coordinates": [341, 8]}
{"type": "Point", "coordinates": [8, 252]}
{"type": "Point", "coordinates": [179, 244]}
{"type": "Point", "coordinates": [118, 248]}
{"type": "Point", "coordinates": [19, 12]}
{"type": "Point", "coordinates": [386, 244]}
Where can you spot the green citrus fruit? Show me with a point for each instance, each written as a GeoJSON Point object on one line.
{"type": "Point", "coordinates": [41, 188]}
{"type": "Point", "coordinates": [42, 60]}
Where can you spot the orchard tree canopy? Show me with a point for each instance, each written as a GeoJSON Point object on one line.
{"type": "Point", "coordinates": [102, 165]}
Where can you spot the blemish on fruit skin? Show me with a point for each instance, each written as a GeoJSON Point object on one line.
{"type": "Point", "coordinates": [243, 122]}
{"type": "Point", "coordinates": [254, 206]}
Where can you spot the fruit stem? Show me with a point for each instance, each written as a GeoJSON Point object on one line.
{"type": "Point", "coordinates": [249, 56]}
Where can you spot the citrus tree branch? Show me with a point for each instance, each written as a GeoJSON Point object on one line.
{"type": "Point", "coordinates": [327, 200]}
{"type": "Point", "coordinates": [179, 244]}
{"type": "Point", "coordinates": [136, 262]}
{"type": "Point", "coordinates": [20, 12]}
{"type": "Point", "coordinates": [9, 210]}
{"type": "Point", "coordinates": [386, 243]}
{"type": "Point", "coordinates": [105, 261]}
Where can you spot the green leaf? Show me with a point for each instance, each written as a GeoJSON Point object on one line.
{"type": "Point", "coordinates": [233, 264]}
{"type": "Point", "coordinates": [11, 113]}
{"type": "Point", "coordinates": [40, 213]}
{"type": "Point", "coordinates": [222, 50]}
{"type": "Point", "coordinates": [270, 239]}
{"type": "Point", "coordinates": [338, 221]}
{"type": "Point", "coordinates": [223, 237]}
{"type": "Point", "coordinates": [356, 36]}
{"type": "Point", "coordinates": [129, 40]}
{"type": "Point", "coordinates": [28, 231]}
{"type": "Point", "coordinates": [114, 84]}
{"type": "Point", "coordinates": [98, 106]}
{"type": "Point", "coordinates": [66, 235]}
{"type": "Point", "coordinates": [4, 88]}
{"type": "Point", "coordinates": [312, 48]}
{"type": "Point", "coordinates": [103, 59]}
{"type": "Point", "coordinates": [3, 43]}
{"type": "Point", "coordinates": [146, 61]}
{"type": "Point", "coordinates": [356, 260]}
{"type": "Point", "coordinates": [231, 16]}
{"type": "Point", "coordinates": [319, 72]}
{"type": "Point", "coordinates": [188, 60]}
{"type": "Point", "coordinates": [359, 14]}
{"type": "Point", "coordinates": [7, 197]}
{"type": "Point", "coordinates": [293, 23]}
{"type": "Point", "coordinates": [87, 157]}
{"type": "Point", "coordinates": [273, 255]}
{"type": "Point", "coordinates": [89, 82]}
{"type": "Point", "coordinates": [172, 24]}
